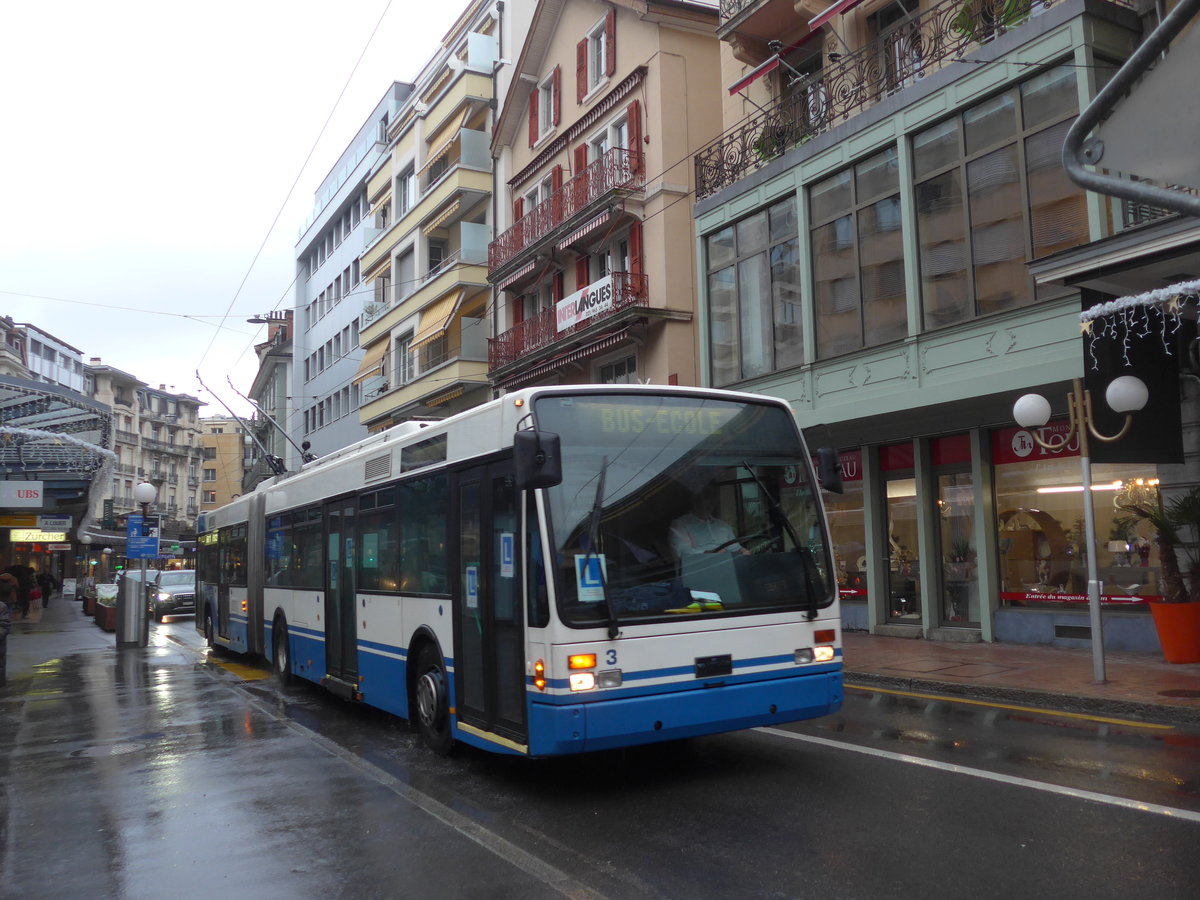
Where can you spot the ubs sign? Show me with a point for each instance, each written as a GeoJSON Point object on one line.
{"type": "Point", "coordinates": [21, 495]}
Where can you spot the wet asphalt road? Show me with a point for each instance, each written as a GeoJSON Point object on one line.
{"type": "Point", "coordinates": [171, 776]}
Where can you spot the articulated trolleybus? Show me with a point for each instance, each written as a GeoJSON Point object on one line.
{"type": "Point", "coordinates": [561, 570]}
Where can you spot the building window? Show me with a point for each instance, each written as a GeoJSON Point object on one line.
{"type": "Point", "coordinates": [210, 496]}
{"type": "Point", "coordinates": [754, 295]}
{"type": "Point", "coordinates": [596, 65]}
{"type": "Point", "coordinates": [622, 371]}
{"type": "Point", "coordinates": [210, 452]}
{"type": "Point", "coordinates": [210, 474]}
{"type": "Point", "coordinates": [858, 256]}
{"type": "Point", "coordinates": [402, 361]}
{"type": "Point", "coordinates": [406, 192]}
{"type": "Point", "coordinates": [991, 194]}
{"type": "Point", "coordinates": [437, 255]}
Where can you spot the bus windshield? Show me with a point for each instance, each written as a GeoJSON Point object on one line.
{"type": "Point", "coordinates": [679, 506]}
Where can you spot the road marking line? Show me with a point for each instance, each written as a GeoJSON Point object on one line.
{"type": "Point", "coordinates": [1029, 709]}
{"type": "Point", "coordinates": [1169, 811]}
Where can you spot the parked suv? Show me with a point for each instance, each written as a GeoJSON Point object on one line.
{"type": "Point", "coordinates": [172, 592]}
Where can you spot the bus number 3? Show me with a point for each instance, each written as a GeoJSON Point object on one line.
{"type": "Point", "coordinates": [611, 658]}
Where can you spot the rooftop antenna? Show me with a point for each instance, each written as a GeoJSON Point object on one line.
{"type": "Point", "coordinates": [273, 462]}
{"type": "Point", "coordinates": [305, 455]}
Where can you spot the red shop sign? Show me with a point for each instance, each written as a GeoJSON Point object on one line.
{"type": "Point", "coordinates": [1010, 445]}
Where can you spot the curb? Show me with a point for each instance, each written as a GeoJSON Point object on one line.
{"type": "Point", "coordinates": [1050, 701]}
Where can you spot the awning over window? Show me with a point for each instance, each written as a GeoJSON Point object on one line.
{"type": "Point", "coordinates": [441, 217]}
{"type": "Point", "coordinates": [773, 62]}
{"type": "Point", "coordinates": [444, 138]}
{"type": "Point", "coordinates": [372, 362]}
{"type": "Point", "coordinates": [837, 9]}
{"type": "Point", "coordinates": [583, 231]}
{"type": "Point", "coordinates": [435, 318]}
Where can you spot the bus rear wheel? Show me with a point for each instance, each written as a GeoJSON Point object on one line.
{"type": "Point", "coordinates": [281, 661]}
{"type": "Point", "coordinates": [432, 701]}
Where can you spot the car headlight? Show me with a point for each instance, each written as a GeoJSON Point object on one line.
{"type": "Point", "coordinates": [162, 596]}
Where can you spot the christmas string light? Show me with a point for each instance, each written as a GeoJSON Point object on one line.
{"type": "Point", "coordinates": [1128, 317]}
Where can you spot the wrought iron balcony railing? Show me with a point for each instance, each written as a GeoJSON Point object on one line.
{"type": "Point", "coordinates": [815, 104]}
{"type": "Point", "coordinates": [617, 169]}
{"type": "Point", "coordinates": [541, 330]}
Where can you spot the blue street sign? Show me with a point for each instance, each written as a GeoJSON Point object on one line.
{"type": "Point", "coordinates": [141, 537]}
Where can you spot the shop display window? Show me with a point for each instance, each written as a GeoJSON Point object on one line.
{"type": "Point", "coordinates": [1040, 526]}
{"type": "Point", "coordinates": [845, 512]}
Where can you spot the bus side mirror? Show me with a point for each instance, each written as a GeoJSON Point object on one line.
{"type": "Point", "coordinates": [829, 470]}
{"type": "Point", "coordinates": [538, 460]}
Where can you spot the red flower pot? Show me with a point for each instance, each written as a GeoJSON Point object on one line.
{"type": "Point", "coordinates": [106, 617]}
{"type": "Point", "coordinates": [1178, 627]}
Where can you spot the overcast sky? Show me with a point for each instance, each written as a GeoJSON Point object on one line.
{"type": "Point", "coordinates": [146, 149]}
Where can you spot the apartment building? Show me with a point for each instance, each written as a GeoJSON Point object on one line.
{"type": "Point", "coordinates": [592, 262]}
{"type": "Point", "coordinates": [156, 438]}
{"type": "Point", "coordinates": [227, 455]}
{"type": "Point", "coordinates": [269, 393]}
{"type": "Point", "coordinates": [324, 394]}
{"type": "Point", "coordinates": [888, 239]}
{"type": "Point", "coordinates": [426, 321]}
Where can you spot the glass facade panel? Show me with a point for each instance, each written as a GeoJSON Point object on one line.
{"type": "Point", "coordinates": [881, 257]}
{"type": "Point", "coordinates": [1049, 96]}
{"type": "Point", "coordinates": [991, 122]}
{"type": "Point", "coordinates": [998, 232]}
{"type": "Point", "coordinates": [754, 287]}
{"type": "Point", "coordinates": [723, 336]}
{"type": "Point", "coordinates": [904, 564]}
{"type": "Point", "coordinates": [785, 283]}
{"type": "Point", "coordinates": [1058, 208]}
{"type": "Point", "coordinates": [945, 293]}
{"type": "Point", "coordinates": [955, 506]}
{"type": "Point", "coordinates": [936, 148]}
{"type": "Point", "coordinates": [835, 289]}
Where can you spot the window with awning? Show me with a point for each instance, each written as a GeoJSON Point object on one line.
{"type": "Point", "coordinates": [435, 318]}
{"type": "Point", "coordinates": [372, 362]}
{"type": "Point", "coordinates": [444, 139]}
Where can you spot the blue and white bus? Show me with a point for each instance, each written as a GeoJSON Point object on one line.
{"type": "Point", "coordinates": [507, 577]}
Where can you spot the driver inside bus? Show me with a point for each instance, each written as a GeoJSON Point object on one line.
{"type": "Point", "coordinates": [701, 530]}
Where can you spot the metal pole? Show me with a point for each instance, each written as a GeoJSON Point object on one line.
{"type": "Point", "coordinates": [1089, 528]}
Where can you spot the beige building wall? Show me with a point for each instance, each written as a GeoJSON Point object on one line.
{"type": "Point", "coordinates": [223, 465]}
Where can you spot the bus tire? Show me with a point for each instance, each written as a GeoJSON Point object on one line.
{"type": "Point", "coordinates": [281, 658]}
{"type": "Point", "coordinates": [433, 701]}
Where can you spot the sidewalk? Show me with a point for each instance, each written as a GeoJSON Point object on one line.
{"type": "Point", "coordinates": [1139, 685]}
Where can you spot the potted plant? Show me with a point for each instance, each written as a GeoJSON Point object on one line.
{"type": "Point", "coordinates": [106, 613]}
{"type": "Point", "coordinates": [1176, 534]}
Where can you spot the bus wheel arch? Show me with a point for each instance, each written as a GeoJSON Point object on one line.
{"type": "Point", "coordinates": [429, 693]}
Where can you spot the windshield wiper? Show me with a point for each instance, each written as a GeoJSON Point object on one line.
{"type": "Point", "coordinates": [781, 517]}
{"type": "Point", "coordinates": [593, 536]}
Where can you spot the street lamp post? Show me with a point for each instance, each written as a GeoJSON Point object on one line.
{"type": "Point", "coordinates": [85, 581]}
{"type": "Point", "coordinates": [1126, 395]}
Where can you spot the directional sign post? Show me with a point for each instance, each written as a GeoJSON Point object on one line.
{"type": "Point", "coordinates": [141, 542]}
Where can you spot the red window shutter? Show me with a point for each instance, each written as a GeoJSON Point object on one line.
{"type": "Point", "coordinates": [518, 310]}
{"type": "Point", "coordinates": [633, 127]}
{"type": "Point", "coordinates": [556, 178]}
{"type": "Point", "coordinates": [580, 158]}
{"type": "Point", "coordinates": [635, 253]}
{"type": "Point", "coordinates": [518, 209]}
{"type": "Point", "coordinates": [581, 70]}
{"type": "Point", "coordinates": [581, 272]}
{"type": "Point", "coordinates": [533, 117]}
{"type": "Point", "coordinates": [556, 87]}
{"type": "Point", "coordinates": [610, 43]}
{"type": "Point", "coordinates": [558, 286]}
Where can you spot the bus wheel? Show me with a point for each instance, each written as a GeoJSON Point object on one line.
{"type": "Point", "coordinates": [433, 705]}
{"type": "Point", "coordinates": [282, 662]}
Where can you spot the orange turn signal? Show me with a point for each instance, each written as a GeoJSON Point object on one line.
{"type": "Point", "coordinates": [539, 675]}
{"type": "Point", "coordinates": [582, 661]}
{"type": "Point", "coordinates": [825, 636]}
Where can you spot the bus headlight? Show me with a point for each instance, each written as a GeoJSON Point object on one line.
{"type": "Point", "coordinates": [582, 681]}
{"type": "Point", "coordinates": [609, 678]}
{"type": "Point", "coordinates": [804, 657]}
{"type": "Point", "coordinates": [823, 654]}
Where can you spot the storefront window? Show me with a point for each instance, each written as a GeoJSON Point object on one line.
{"type": "Point", "coordinates": [846, 523]}
{"type": "Point", "coordinates": [956, 532]}
{"type": "Point", "coordinates": [901, 515]}
{"type": "Point", "coordinates": [1040, 527]}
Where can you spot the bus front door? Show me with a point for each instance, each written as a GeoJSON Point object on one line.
{"type": "Point", "coordinates": [341, 634]}
{"type": "Point", "coordinates": [489, 661]}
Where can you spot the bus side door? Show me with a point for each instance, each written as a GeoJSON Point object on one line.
{"type": "Point", "coordinates": [489, 658]}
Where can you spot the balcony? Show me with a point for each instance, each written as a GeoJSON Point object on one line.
{"type": "Point", "coordinates": [617, 170]}
{"type": "Point", "coordinates": [542, 330]}
{"type": "Point", "coordinates": [921, 46]}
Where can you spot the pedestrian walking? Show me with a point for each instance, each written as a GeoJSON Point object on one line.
{"type": "Point", "coordinates": [24, 579]}
{"type": "Point", "coordinates": [8, 596]}
{"type": "Point", "coordinates": [49, 584]}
